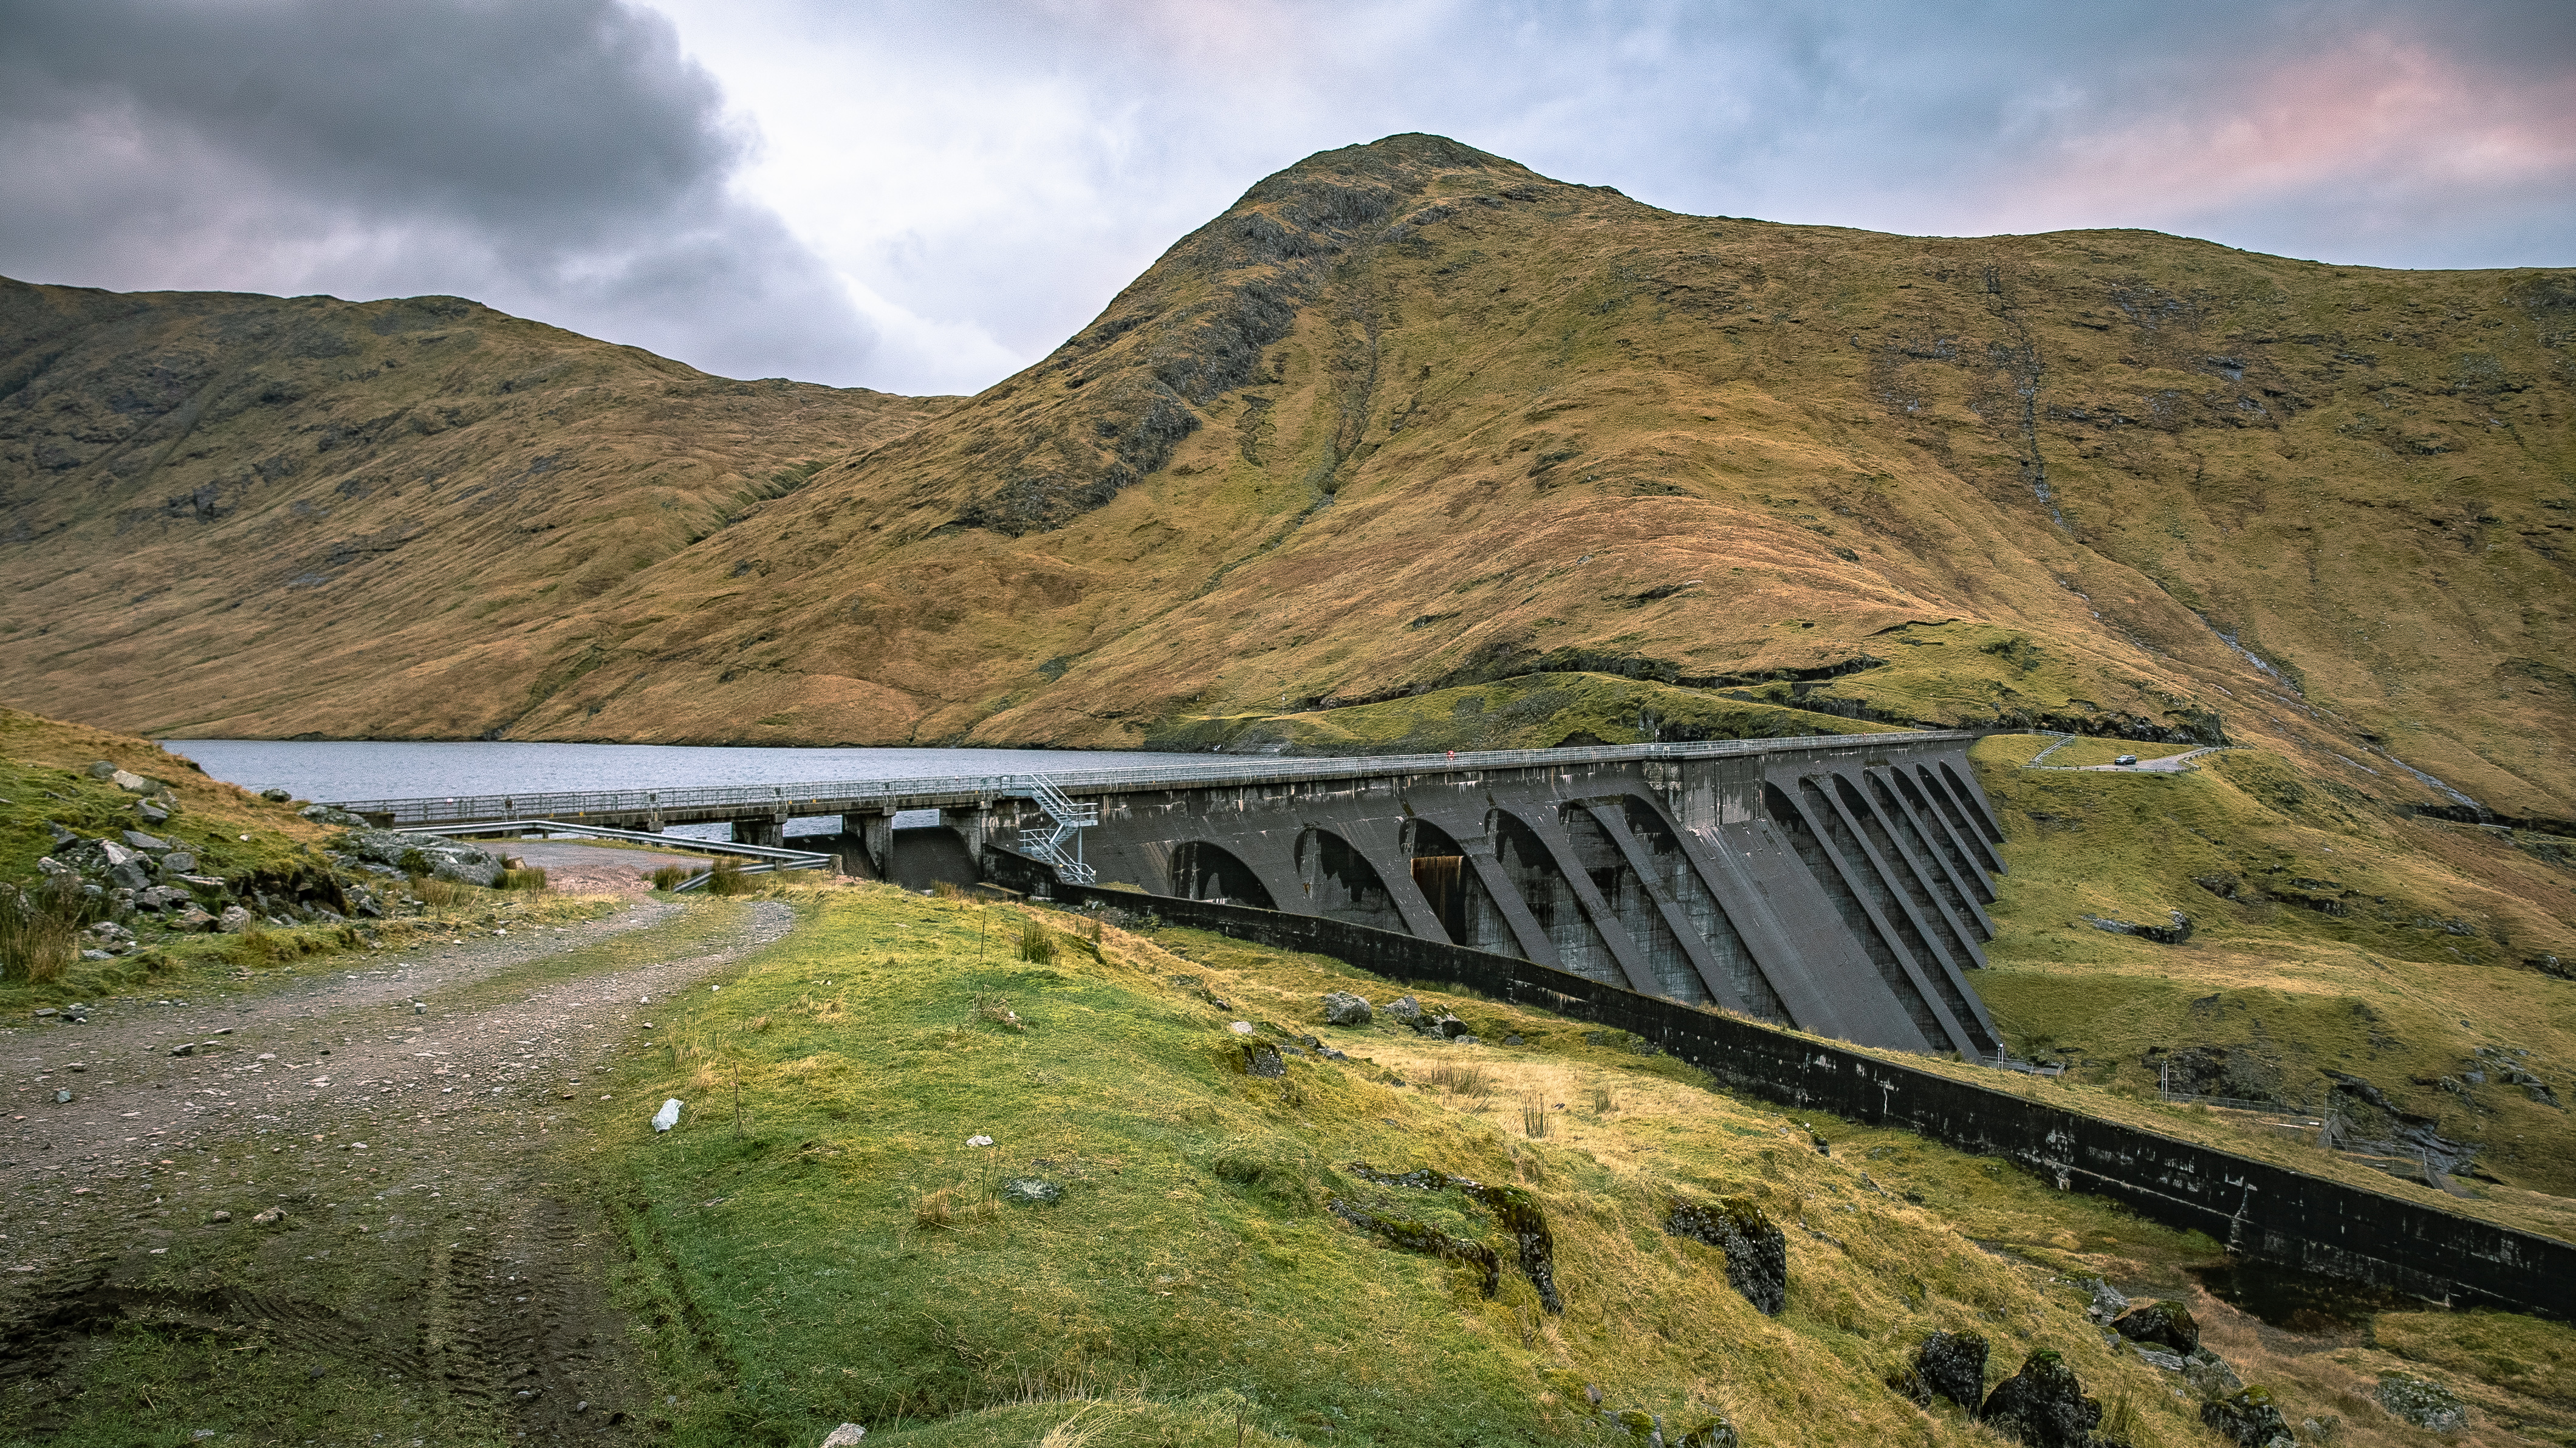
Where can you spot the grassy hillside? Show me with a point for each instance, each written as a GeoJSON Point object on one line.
{"type": "Point", "coordinates": [839, 1250]}
{"type": "Point", "coordinates": [225, 514]}
{"type": "Point", "coordinates": [1406, 418]}
{"type": "Point", "coordinates": [2330, 935]}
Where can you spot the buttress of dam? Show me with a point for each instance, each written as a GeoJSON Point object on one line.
{"type": "Point", "coordinates": [1835, 885]}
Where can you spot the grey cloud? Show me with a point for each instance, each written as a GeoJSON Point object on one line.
{"type": "Point", "coordinates": [559, 158]}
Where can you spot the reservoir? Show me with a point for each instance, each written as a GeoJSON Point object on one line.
{"type": "Point", "coordinates": [359, 769]}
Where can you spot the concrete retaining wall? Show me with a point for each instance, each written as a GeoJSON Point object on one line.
{"type": "Point", "coordinates": [2259, 1210]}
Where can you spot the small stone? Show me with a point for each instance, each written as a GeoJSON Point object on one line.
{"type": "Point", "coordinates": [130, 783]}
{"type": "Point", "coordinates": [62, 1098]}
{"type": "Point", "coordinates": [1341, 1008]}
{"type": "Point", "coordinates": [979, 1140]}
{"type": "Point", "coordinates": [187, 1048]}
{"type": "Point", "coordinates": [214, 1218]}
{"type": "Point", "coordinates": [234, 920]}
{"type": "Point", "coordinates": [845, 1436]}
{"type": "Point", "coordinates": [1241, 1028]}
{"type": "Point", "coordinates": [668, 1116]}
{"type": "Point", "coordinates": [150, 813]}
{"type": "Point", "coordinates": [141, 841]}
{"type": "Point", "coordinates": [2246, 1417]}
{"type": "Point", "coordinates": [1263, 1059]}
{"type": "Point", "coordinates": [1032, 1192]}
{"type": "Point", "coordinates": [269, 1218]}
{"type": "Point", "coordinates": [2427, 1405]}
{"type": "Point", "coordinates": [1514, 1040]}
{"type": "Point", "coordinates": [190, 917]}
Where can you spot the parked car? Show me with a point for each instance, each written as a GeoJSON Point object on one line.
{"type": "Point", "coordinates": [2126, 759]}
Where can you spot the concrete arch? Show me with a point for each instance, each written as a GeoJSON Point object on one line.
{"type": "Point", "coordinates": [1970, 801]}
{"type": "Point", "coordinates": [1905, 873]}
{"type": "Point", "coordinates": [1205, 870]}
{"type": "Point", "coordinates": [1967, 832]}
{"type": "Point", "coordinates": [1634, 898]}
{"type": "Point", "coordinates": [1673, 866]}
{"type": "Point", "coordinates": [1340, 884]}
{"type": "Point", "coordinates": [1884, 879]}
{"type": "Point", "coordinates": [1554, 901]}
{"type": "Point", "coordinates": [1808, 839]}
{"type": "Point", "coordinates": [1919, 839]}
{"type": "Point", "coordinates": [1452, 887]}
{"type": "Point", "coordinates": [1937, 827]}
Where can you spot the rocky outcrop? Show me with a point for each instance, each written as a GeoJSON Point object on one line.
{"type": "Point", "coordinates": [2166, 1324]}
{"type": "Point", "coordinates": [1757, 1253]}
{"type": "Point", "coordinates": [392, 852]}
{"type": "Point", "coordinates": [1953, 1364]}
{"type": "Point", "coordinates": [2043, 1405]}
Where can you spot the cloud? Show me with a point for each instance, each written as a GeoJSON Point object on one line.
{"type": "Point", "coordinates": [923, 196]}
{"type": "Point", "coordinates": [557, 158]}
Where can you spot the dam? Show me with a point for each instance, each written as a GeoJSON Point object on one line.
{"type": "Point", "coordinates": [1836, 884]}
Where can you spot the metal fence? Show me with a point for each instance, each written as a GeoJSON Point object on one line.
{"type": "Point", "coordinates": [858, 794]}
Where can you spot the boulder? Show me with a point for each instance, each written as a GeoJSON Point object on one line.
{"type": "Point", "coordinates": [2043, 1405]}
{"type": "Point", "coordinates": [138, 840]}
{"type": "Point", "coordinates": [1406, 1011]}
{"type": "Point", "coordinates": [845, 1436]}
{"type": "Point", "coordinates": [332, 814]}
{"type": "Point", "coordinates": [191, 917]}
{"type": "Point", "coordinates": [179, 862]}
{"type": "Point", "coordinates": [2429, 1406]}
{"type": "Point", "coordinates": [101, 769]}
{"type": "Point", "coordinates": [2167, 1324]}
{"type": "Point", "coordinates": [2209, 1374]}
{"type": "Point", "coordinates": [1953, 1364]}
{"type": "Point", "coordinates": [1449, 1027]}
{"type": "Point", "coordinates": [1260, 1058]}
{"type": "Point", "coordinates": [234, 920]}
{"type": "Point", "coordinates": [2247, 1418]}
{"type": "Point", "coordinates": [133, 783]}
{"type": "Point", "coordinates": [151, 812]}
{"type": "Point", "coordinates": [2108, 1303]}
{"type": "Point", "coordinates": [276, 796]}
{"type": "Point", "coordinates": [1757, 1253]}
{"type": "Point", "coordinates": [1341, 1008]}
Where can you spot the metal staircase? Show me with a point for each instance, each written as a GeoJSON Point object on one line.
{"type": "Point", "coordinates": [1069, 820]}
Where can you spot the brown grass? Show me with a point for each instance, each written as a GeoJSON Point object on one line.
{"type": "Point", "coordinates": [39, 932]}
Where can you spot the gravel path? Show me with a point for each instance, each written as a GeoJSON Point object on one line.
{"type": "Point", "coordinates": [399, 1115]}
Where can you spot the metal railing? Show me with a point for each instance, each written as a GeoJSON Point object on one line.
{"type": "Point", "coordinates": [766, 859]}
{"type": "Point", "coordinates": [858, 795]}
{"type": "Point", "coordinates": [1067, 820]}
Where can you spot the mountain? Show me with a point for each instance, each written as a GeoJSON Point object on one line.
{"type": "Point", "coordinates": [224, 513]}
{"type": "Point", "coordinates": [1408, 442]}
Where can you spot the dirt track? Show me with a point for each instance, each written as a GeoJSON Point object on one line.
{"type": "Point", "coordinates": [423, 1244]}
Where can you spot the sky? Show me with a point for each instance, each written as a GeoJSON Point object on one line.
{"type": "Point", "coordinates": [923, 198]}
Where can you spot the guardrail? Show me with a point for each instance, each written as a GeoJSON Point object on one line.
{"type": "Point", "coordinates": [843, 796]}
{"type": "Point", "coordinates": [767, 859]}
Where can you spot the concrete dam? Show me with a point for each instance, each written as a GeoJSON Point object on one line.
{"type": "Point", "coordinates": [1836, 884]}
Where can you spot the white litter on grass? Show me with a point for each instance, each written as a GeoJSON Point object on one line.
{"type": "Point", "coordinates": [668, 1116]}
{"type": "Point", "coordinates": [1241, 1028]}
{"type": "Point", "coordinates": [979, 1141]}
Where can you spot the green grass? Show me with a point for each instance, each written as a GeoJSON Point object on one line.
{"type": "Point", "coordinates": [1527, 711]}
{"type": "Point", "coordinates": [845, 1257]}
{"type": "Point", "coordinates": [2381, 990]}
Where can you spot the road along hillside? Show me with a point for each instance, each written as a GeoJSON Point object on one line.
{"type": "Point", "coordinates": [326, 1212]}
